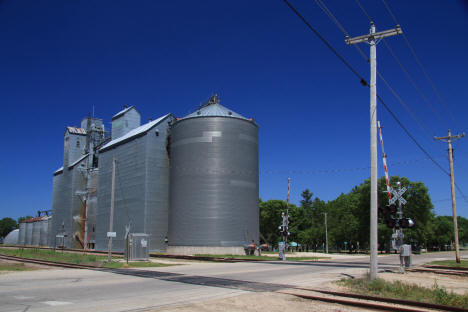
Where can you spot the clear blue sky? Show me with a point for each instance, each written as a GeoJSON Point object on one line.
{"type": "Point", "coordinates": [61, 58]}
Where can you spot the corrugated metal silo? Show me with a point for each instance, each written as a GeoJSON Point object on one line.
{"type": "Point", "coordinates": [29, 234]}
{"type": "Point", "coordinates": [44, 230]}
{"type": "Point", "coordinates": [36, 233]}
{"type": "Point", "coordinates": [22, 233]}
{"type": "Point", "coordinates": [49, 230]}
{"type": "Point", "coordinates": [12, 238]}
{"type": "Point", "coordinates": [213, 181]}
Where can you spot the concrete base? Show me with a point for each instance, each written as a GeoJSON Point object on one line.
{"type": "Point", "coordinates": [193, 250]}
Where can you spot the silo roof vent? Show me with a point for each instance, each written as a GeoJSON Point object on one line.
{"type": "Point", "coordinates": [212, 108]}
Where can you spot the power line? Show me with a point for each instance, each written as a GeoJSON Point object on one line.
{"type": "Point", "coordinates": [418, 61]}
{"type": "Point", "coordinates": [413, 83]}
{"type": "Point", "coordinates": [365, 83]}
{"type": "Point", "coordinates": [364, 10]}
{"type": "Point", "coordinates": [329, 46]}
{"type": "Point", "coordinates": [330, 15]}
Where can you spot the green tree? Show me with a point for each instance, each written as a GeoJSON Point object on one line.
{"type": "Point", "coordinates": [6, 226]}
{"type": "Point", "coordinates": [270, 219]}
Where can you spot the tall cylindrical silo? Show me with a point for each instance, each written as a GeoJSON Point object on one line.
{"type": "Point", "coordinates": [50, 241]}
{"type": "Point", "coordinates": [22, 233]}
{"type": "Point", "coordinates": [213, 182]}
{"type": "Point", "coordinates": [44, 228]}
{"type": "Point", "coordinates": [36, 234]}
{"type": "Point", "coordinates": [29, 233]}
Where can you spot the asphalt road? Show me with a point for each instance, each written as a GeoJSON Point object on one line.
{"type": "Point", "coordinates": [152, 288]}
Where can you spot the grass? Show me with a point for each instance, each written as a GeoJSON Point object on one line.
{"type": "Point", "coordinates": [451, 263]}
{"type": "Point", "coordinates": [251, 257]}
{"type": "Point", "coordinates": [399, 290]}
{"type": "Point", "coordinates": [14, 267]}
{"type": "Point", "coordinates": [75, 258]}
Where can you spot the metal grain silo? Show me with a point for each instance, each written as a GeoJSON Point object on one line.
{"type": "Point", "coordinates": [22, 233]}
{"type": "Point", "coordinates": [36, 233]}
{"type": "Point", "coordinates": [44, 231]}
{"type": "Point", "coordinates": [213, 182]}
{"type": "Point", "coordinates": [29, 233]}
{"type": "Point", "coordinates": [11, 238]}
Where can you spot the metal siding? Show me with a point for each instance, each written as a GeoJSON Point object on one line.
{"type": "Point", "coordinates": [22, 233]}
{"type": "Point", "coordinates": [36, 234]}
{"type": "Point", "coordinates": [50, 242]}
{"type": "Point", "coordinates": [157, 186]}
{"type": "Point", "coordinates": [141, 190]}
{"type": "Point", "coordinates": [124, 123]}
{"type": "Point", "coordinates": [61, 207]}
{"type": "Point", "coordinates": [92, 205]}
{"type": "Point", "coordinates": [11, 238]}
{"type": "Point", "coordinates": [29, 234]}
{"type": "Point", "coordinates": [214, 182]}
{"type": "Point", "coordinates": [44, 228]}
{"type": "Point", "coordinates": [74, 152]}
{"type": "Point", "coordinates": [129, 192]}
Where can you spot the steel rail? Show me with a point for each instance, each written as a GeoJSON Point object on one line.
{"type": "Point", "coordinates": [445, 267]}
{"type": "Point", "coordinates": [355, 303]}
{"type": "Point", "coordinates": [439, 271]}
{"type": "Point", "coordinates": [388, 300]}
{"type": "Point", "coordinates": [50, 263]}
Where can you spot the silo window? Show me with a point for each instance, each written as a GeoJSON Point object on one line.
{"type": "Point", "coordinates": [78, 143]}
{"type": "Point", "coordinates": [156, 132]}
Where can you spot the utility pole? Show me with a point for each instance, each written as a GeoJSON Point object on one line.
{"type": "Point", "coordinates": [372, 39]}
{"type": "Point", "coordinates": [284, 227]}
{"type": "Point", "coordinates": [449, 139]}
{"type": "Point", "coordinates": [111, 219]}
{"type": "Point", "coordinates": [326, 231]}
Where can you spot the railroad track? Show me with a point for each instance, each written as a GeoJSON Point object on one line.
{"type": "Point", "coordinates": [121, 254]}
{"type": "Point", "coordinates": [49, 263]}
{"type": "Point", "coordinates": [368, 302]}
{"type": "Point", "coordinates": [348, 299]}
{"type": "Point", "coordinates": [440, 270]}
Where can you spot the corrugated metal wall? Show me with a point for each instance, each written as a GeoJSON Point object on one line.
{"type": "Point", "coordinates": [141, 189]}
{"type": "Point", "coordinates": [29, 234]}
{"type": "Point", "coordinates": [36, 234]}
{"type": "Point", "coordinates": [123, 124]}
{"type": "Point", "coordinates": [44, 228]}
{"type": "Point", "coordinates": [61, 207]}
{"type": "Point", "coordinates": [214, 182]}
{"type": "Point", "coordinates": [22, 233]}
{"type": "Point", "coordinates": [92, 206]}
{"type": "Point", "coordinates": [12, 238]}
{"type": "Point", "coordinates": [50, 242]}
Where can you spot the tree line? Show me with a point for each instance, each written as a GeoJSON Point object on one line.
{"type": "Point", "coordinates": [348, 220]}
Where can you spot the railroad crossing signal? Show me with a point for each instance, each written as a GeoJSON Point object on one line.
{"type": "Point", "coordinates": [397, 195]}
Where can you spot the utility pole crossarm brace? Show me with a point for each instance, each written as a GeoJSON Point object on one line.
{"type": "Point", "coordinates": [452, 137]}
{"type": "Point", "coordinates": [375, 36]}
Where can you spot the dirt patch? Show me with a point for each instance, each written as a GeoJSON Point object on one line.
{"type": "Point", "coordinates": [28, 266]}
{"type": "Point", "coordinates": [268, 301]}
{"type": "Point", "coordinates": [457, 284]}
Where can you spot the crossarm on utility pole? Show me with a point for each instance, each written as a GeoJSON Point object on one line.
{"type": "Point", "coordinates": [379, 35]}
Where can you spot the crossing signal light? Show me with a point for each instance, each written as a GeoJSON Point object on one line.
{"type": "Point", "coordinates": [388, 210]}
{"type": "Point", "coordinates": [407, 223]}
{"type": "Point", "coordinates": [392, 223]}
{"type": "Point", "coordinates": [284, 230]}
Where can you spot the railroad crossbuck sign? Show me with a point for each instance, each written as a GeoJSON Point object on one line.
{"type": "Point", "coordinates": [397, 196]}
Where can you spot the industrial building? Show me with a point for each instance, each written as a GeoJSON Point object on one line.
{"type": "Point", "coordinates": [190, 184]}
